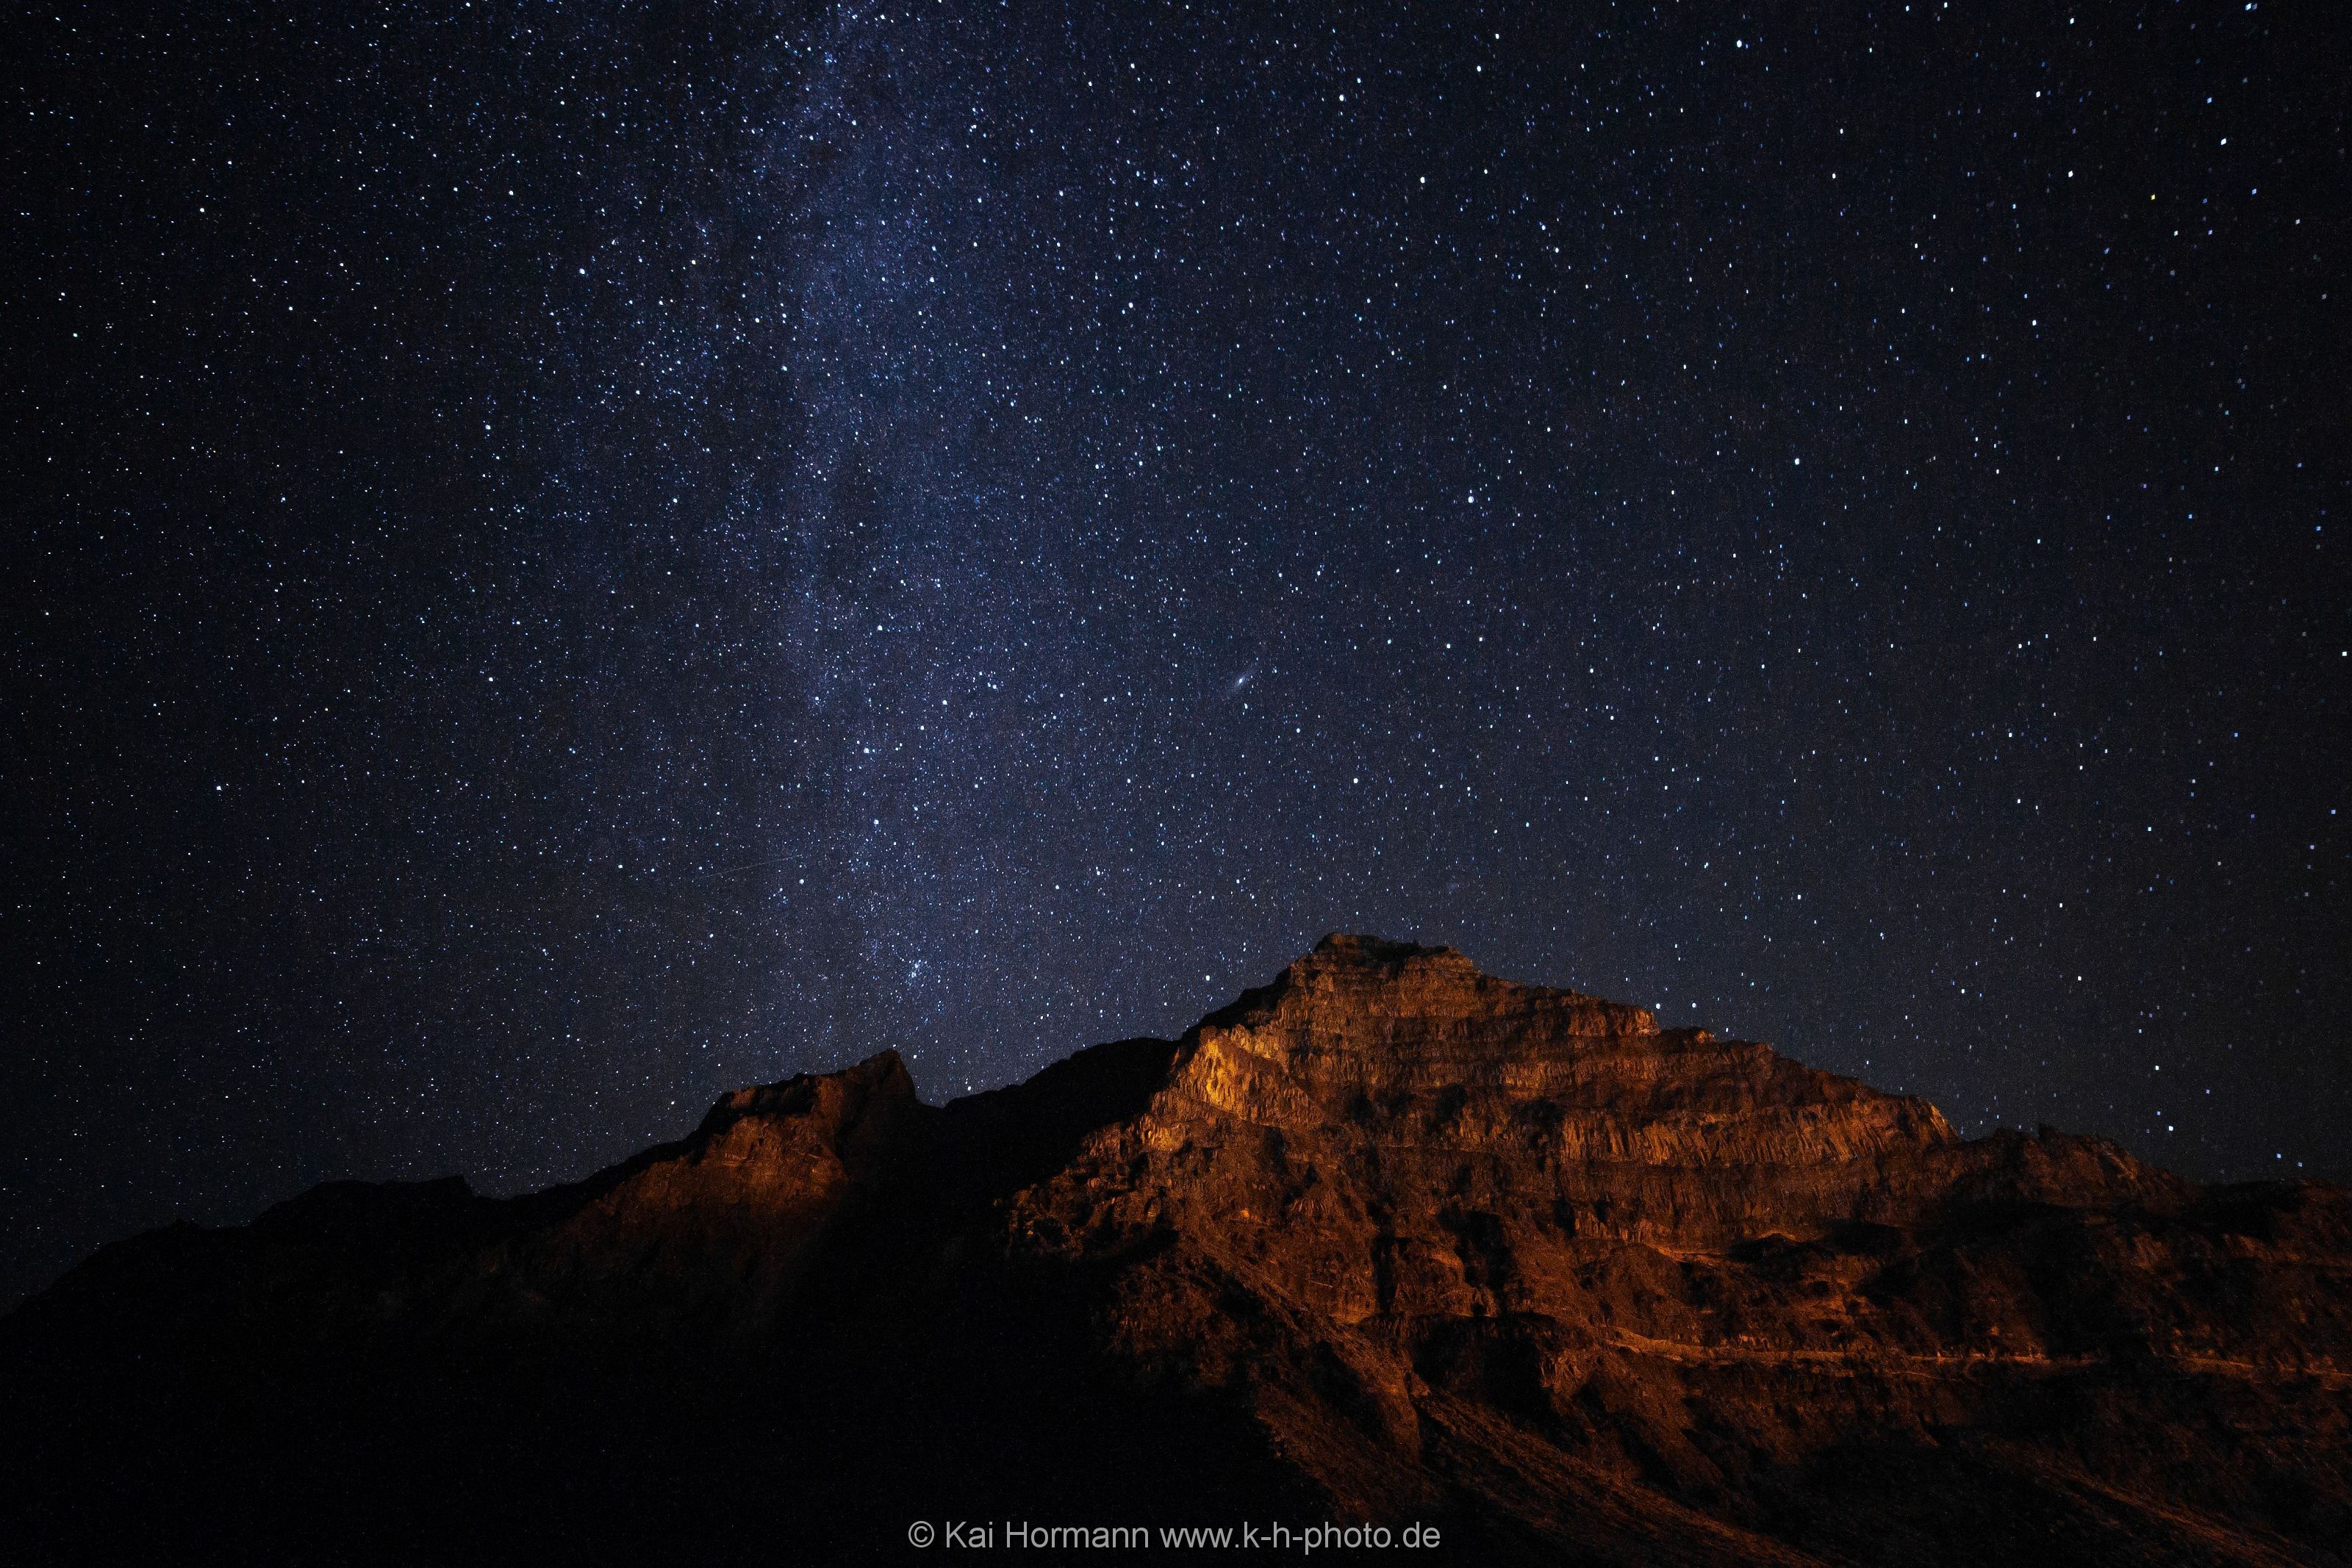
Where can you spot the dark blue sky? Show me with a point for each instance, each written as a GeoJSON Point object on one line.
{"type": "Point", "coordinates": [566, 559]}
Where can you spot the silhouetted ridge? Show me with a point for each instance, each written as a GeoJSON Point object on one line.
{"type": "Point", "coordinates": [1387, 1239]}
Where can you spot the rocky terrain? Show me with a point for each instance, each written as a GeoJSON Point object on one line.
{"type": "Point", "coordinates": [1388, 1240]}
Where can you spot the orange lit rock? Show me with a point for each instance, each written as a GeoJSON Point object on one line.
{"type": "Point", "coordinates": [1389, 1239]}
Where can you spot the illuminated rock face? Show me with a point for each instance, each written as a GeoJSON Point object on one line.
{"type": "Point", "coordinates": [1528, 1241]}
{"type": "Point", "coordinates": [1388, 1239]}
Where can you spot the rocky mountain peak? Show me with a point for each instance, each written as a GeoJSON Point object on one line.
{"type": "Point", "coordinates": [1388, 1237]}
{"type": "Point", "coordinates": [1408, 1065]}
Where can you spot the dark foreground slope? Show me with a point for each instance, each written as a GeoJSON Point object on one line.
{"type": "Point", "coordinates": [1388, 1240]}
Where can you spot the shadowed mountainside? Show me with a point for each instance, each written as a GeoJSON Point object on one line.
{"type": "Point", "coordinates": [1388, 1239]}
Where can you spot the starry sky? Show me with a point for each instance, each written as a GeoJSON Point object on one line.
{"type": "Point", "coordinates": [564, 559]}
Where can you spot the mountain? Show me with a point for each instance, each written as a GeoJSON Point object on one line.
{"type": "Point", "coordinates": [1388, 1241]}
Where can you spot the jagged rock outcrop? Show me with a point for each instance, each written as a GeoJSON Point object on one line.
{"type": "Point", "coordinates": [1389, 1239]}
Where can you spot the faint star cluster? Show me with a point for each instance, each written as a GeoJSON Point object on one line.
{"type": "Point", "coordinates": [563, 560]}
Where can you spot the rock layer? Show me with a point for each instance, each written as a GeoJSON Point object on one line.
{"type": "Point", "coordinates": [1389, 1239]}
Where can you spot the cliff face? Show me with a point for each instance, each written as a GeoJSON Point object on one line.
{"type": "Point", "coordinates": [1389, 1239]}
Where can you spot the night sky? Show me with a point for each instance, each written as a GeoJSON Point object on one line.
{"type": "Point", "coordinates": [561, 560]}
